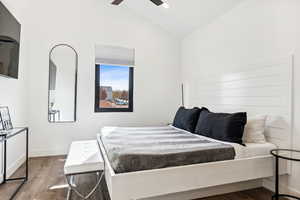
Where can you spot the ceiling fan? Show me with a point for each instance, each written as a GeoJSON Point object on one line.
{"type": "Point", "coordinates": [156, 2]}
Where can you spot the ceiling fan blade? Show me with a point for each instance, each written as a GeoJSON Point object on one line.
{"type": "Point", "coordinates": [157, 2]}
{"type": "Point", "coordinates": [117, 2]}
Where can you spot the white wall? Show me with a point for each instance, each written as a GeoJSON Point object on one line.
{"type": "Point", "coordinates": [13, 93]}
{"type": "Point", "coordinates": [253, 31]}
{"type": "Point", "coordinates": [83, 24]}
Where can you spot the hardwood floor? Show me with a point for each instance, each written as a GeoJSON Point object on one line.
{"type": "Point", "coordinates": [47, 182]}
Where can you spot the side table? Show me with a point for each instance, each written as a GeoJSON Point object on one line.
{"type": "Point", "coordinates": [4, 136]}
{"type": "Point", "coordinates": [287, 154]}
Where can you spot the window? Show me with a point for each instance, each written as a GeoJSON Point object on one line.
{"type": "Point", "coordinates": [113, 88]}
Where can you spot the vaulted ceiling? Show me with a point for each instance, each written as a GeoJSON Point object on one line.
{"type": "Point", "coordinates": [183, 16]}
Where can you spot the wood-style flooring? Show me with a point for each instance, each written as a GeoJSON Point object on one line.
{"type": "Point", "coordinates": [47, 182]}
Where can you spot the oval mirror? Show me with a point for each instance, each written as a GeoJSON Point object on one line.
{"type": "Point", "coordinates": [62, 90]}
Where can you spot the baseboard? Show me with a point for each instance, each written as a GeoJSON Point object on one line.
{"type": "Point", "coordinates": [43, 152]}
{"type": "Point", "coordinates": [294, 191]}
{"type": "Point", "coordinates": [284, 188]}
{"type": "Point", "coordinates": [211, 191]}
{"type": "Point", "coordinates": [14, 166]}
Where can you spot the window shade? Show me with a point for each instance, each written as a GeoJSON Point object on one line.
{"type": "Point", "coordinates": [114, 55]}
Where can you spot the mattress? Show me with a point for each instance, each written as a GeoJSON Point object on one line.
{"type": "Point", "coordinates": [136, 149]}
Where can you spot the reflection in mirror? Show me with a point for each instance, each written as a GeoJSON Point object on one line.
{"type": "Point", "coordinates": [63, 61]}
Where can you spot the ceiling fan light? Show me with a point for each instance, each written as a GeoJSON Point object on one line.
{"type": "Point", "coordinates": [165, 5]}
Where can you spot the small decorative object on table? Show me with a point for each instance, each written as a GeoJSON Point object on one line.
{"type": "Point", "coordinates": [287, 154]}
{"type": "Point", "coordinates": [5, 119]}
{"type": "Point", "coordinates": [1, 125]}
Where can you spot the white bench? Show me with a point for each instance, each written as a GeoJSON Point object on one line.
{"type": "Point", "coordinates": [84, 157]}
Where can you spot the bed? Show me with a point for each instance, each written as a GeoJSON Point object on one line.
{"type": "Point", "coordinates": [256, 91]}
{"type": "Point", "coordinates": [147, 148]}
{"type": "Point", "coordinates": [139, 182]}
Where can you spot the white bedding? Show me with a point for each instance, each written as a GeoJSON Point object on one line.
{"type": "Point", "coordinates": [247, 151]}
{"type": "Point", "coordinates": [250, 149]}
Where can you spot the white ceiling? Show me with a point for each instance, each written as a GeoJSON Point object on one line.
{"type": "Point", "coordinates": [183, 16]}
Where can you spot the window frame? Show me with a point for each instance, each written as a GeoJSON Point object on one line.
{"type": "Point", "coordinates": [98, 109]}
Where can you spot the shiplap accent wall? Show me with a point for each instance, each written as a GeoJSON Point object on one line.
{"type": "Point", "coordinates": [262, 89]}
{"type": "Point", "coordinates": [238, 38]}
{"type": "Point", "coordinates": [266, 88]}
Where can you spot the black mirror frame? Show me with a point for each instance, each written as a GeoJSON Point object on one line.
{"type": "Point", "coordinates": [76, 77]}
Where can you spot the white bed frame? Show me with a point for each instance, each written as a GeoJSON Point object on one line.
{"type": "Point", "coordinates": [264, 89]}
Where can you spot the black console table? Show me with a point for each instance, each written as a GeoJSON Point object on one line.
{"type": "Point", "coordinates": [4, 136]}
{"type": "Point", "coordinates": [286, 154]}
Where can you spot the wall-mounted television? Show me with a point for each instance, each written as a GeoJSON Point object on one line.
{"type": "Point", "coordinates": [10, 30]}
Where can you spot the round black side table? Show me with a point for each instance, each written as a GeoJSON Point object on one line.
{"type": "Point", "coordinates": [286, 154]}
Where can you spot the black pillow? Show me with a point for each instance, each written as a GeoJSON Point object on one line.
{"type": "Point", "coordinates": [222, 126]}
{"type": "Point", "coordinates": [187, 118]}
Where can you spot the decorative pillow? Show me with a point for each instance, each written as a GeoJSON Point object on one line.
{"type": "Point", "coordinates": [187, 118]}
{"type": "Point", "coordinates": [222, 126]}
{"type": "Point", "coordinates": [254, 130]}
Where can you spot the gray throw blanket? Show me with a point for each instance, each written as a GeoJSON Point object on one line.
{"type": "Point", "coordinates": [135, 149]}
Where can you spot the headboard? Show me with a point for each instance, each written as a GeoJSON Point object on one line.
{"type": "Point", "coordinates": [262, 89]}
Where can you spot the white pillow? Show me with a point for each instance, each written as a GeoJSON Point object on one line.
{"type": "Point", "coordinates": [254, 130]}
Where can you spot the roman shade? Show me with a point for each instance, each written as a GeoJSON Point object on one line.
{"type": "Point", "coordinates": [114, 55]}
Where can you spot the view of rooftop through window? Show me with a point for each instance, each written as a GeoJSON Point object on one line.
{"type": "Point", "coordinates": [114, 86]}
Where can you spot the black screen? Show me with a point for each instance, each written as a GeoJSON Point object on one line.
{"type": "Point", "coordinates": [10, 30]}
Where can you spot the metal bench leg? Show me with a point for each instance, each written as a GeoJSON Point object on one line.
{"type": "Point", "coordinates": [69, 181]}
{"type": "Point", "coordinates": [72, 182]}
{"type": "Point", "coordinates": [69, 193]}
